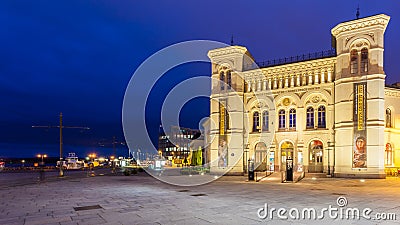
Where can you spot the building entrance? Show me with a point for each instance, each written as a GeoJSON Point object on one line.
{"type": "Point", "coordinates": [286, 153]}
{"type": "Point", "coordinates": [316, 151]}
{"type": "Point", "coordinates": [261, 156]}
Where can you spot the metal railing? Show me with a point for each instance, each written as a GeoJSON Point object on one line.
{"type": "Point", "coordinates": [292, 59]}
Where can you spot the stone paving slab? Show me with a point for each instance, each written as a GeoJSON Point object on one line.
{"type": "Point", "coordinates": [230, 200]}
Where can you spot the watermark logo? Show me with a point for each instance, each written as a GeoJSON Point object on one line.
{"type": "Point", "coordinates": [342, 212]}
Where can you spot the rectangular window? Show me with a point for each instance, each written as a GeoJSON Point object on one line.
{"type": "Point", "coordinates": [282, 119]}
{"type": "Point", "coordinates": [310, 118]}
{"type": "Point", "coordinates": [321, 117]}
{"type": "Point", "coordinates": [265, 126]}
{"type": "Point", "coordinates": [292, 119]}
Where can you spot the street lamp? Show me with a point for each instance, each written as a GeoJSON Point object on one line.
{"type": "Point", "coordinates": [112, 163]}
{"type": "Point", "coordinates": [331, 145]}
{"type": "Point", "coordinates": [92, 156]}
{"type": "Point", "coordinates": [42, 156]}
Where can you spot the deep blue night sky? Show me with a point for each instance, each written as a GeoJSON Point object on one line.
{"type": "Point", "coordinates": [77, 57]}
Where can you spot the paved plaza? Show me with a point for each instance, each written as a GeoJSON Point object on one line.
{"type": "Point", "coordinates": [141, 199]}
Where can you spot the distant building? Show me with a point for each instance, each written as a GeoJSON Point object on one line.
{"type": "Point", "coordinates": [320, 113]}
{"type": "Point", "coordinates": [175, 144]}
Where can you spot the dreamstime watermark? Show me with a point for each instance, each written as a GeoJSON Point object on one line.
{"type": "Point", "coordinates": [341, 212]}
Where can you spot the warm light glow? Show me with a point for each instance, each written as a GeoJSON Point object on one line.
{"type": "Point", "coordinates": [314, 178]}
{"type": "Point", "coordinates": [362, 180]}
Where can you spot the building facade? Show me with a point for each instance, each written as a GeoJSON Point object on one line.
{"type": "Point", "coordinates": [328, 112]}
{"type": "Point", "coordinates": [175, 145]}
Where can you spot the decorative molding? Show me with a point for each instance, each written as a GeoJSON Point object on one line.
{"type": "Point", "coordinates": [227, 51]}
{"type": "Point", "coordinates": [378, 20]}
{"type": "Point", "coordinates": [315, 99]}
{"type": "Point", "coordinates": [392, 93]}
{"type": "Point", "coordinates": [286, 101]}
{"type": "Point", "coordinates": [372, 35]}
{"type": "Point", "coordinates": [348, 39]}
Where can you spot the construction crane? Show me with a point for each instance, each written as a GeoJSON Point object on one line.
{"type": "Point", "coordinates": [61, 127]}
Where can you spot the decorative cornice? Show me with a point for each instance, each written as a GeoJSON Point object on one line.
{"type": "Point", "coordinates": [227, 51]}
{"type": "Point", "coordinates": [380, 20]}
{"type": "Point", "coordinates": [293, 68]}
{"type": "Point", "coordinates": [392, 93]}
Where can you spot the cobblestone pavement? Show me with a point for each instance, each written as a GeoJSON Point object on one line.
{"type": "Point", "coordinates": [141, 199]}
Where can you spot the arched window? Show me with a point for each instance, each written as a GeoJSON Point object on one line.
{"type": "Point", "coordinates": [310, 118]}
{"type": "Point", "coordinates": [222, 79]}
{"type": "Point", "coordinates": [354, 61]}
{"type": "Point", "coordinates": [292, 119]}
{"type": "Point", "coordinates": [364, 60]}
{"type": "Point", "coordinates": [388, 154]}
{"type": "Point", "coordinates": [256, 122]}
{"type": "Point", "coordinates": [321, 117]}
{"type": "Point", "coordinates": [388, 117]}
{"type": "Point", "coordinates": [229, 79]}
{"type": "Point", "coordinates": [265, 125]}
{"type": "Point", "coordinates": [282, 119]}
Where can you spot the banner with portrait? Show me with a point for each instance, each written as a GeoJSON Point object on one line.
{"type": "Point", "coordinates": [222, 142]}
{"type": "Point", "coordinates": [360, 122]}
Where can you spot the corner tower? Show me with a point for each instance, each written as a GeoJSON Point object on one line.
{"type": "Point", "coordinates": [226, 106]}
{"type": "Point", "coordinates": [359, 97]}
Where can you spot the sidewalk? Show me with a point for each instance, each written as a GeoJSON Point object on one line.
{"type": "Point", "coordinates": [141, 199]}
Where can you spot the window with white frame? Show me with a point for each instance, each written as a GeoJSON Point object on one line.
{"type": "Point", "coordinates": [292, 119]}
{"type": "Point", "coordinates": [265, 120]}
{"type": "Point", "coordinates": [321, 117]}
{"type": "Point", "coordinates": [310, 118]}
{"type": "Point", "coordinates": [282, 119]}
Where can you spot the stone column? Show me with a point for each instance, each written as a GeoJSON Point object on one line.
{"type": "Point", "coordinates": [316, 80]}
{"type": "Point", "coordinates": [329, 75]}
{"type": "Point", "coordinates": [292, 81]}
{"type": "Point", "coordinates": [286, 82]}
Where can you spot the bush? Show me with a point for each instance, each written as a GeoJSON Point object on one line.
{"type": "Point", "coordinates": [127, 172]}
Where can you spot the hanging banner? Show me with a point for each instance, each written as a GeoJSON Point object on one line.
{"type": "Point", "coordinates": [222, 143]}
{"type": "Point", "coordinates": [360, 122]}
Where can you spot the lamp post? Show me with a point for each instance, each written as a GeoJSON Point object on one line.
{"type": "Point", "coordinates": [41, 171]}
{"type": "Point", "coordinates": [42, 156]}
{"type": "Point", "coordinates": [330, 147]}
{"type": "Point", "coordinates": [112, 164]}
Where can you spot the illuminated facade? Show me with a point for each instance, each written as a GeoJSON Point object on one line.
{"type": "Point", "coordinates": [329, 112]}
{"type": "Point", "coordinates": [175, 144]}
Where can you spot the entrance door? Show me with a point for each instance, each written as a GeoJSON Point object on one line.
{"type": "Point", "coordinates": [261, 157]}
{"type": "Point", "coordinates": [286, 153]}
{"type": "Point", "coordinates": [316, 150]}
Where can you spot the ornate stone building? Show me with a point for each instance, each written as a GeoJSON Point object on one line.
{"type": "Point", "coordinates": [328, 112]}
